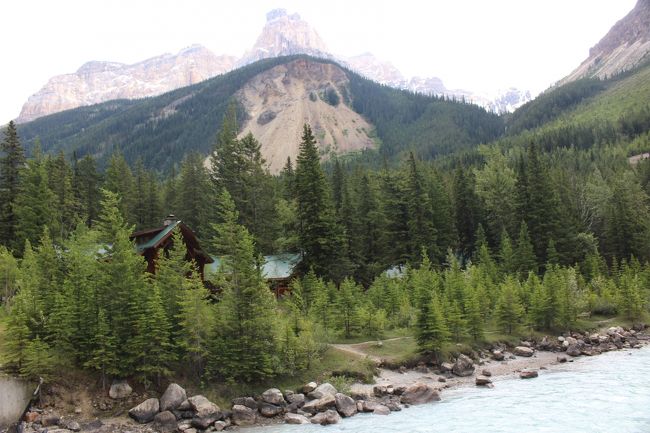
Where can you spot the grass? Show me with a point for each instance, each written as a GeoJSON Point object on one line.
{"type": "Point", "coordinates": [393, 351]}
{"type": "Point", "coordinates": [392, 333]}
{"type": "Point", "coordinates": [3, 328]}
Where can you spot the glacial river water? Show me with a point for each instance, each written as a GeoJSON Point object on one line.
{"type": "Point", "coordinates": [609, 393]}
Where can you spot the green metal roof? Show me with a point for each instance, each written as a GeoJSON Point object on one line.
{"type": "Point", "coordinates": [153, 241]}
{"type": "Point", "coordinates": [277, 266]}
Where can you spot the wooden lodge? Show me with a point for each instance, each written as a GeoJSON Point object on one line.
{"type": "Point", "coordinates": [151, 243]}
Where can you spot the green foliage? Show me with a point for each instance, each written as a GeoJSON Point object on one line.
{"type": "Point", "coordinates": [509, 311]}
{"type": "Point", "coordinates": [12, 159]}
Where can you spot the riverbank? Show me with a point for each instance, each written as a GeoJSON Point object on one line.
{"type": "Point", "coordinates": [388, 392]}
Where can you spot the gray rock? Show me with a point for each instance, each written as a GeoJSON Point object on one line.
{"type": "Point", "coordinates": [380, 409]}
{"type": "Point", "coordinates": [243, 415]}
{"type": "Point", "coordinates": [319, 404]}
{"type": "Point", "coordinates": [420, 393]}
{"type": "Point", "coordinates": [70, 424]}
{"type": "Point", "coordinates": [309, 387]}
{"type": "Point", "coordinates": [273, 396]}
{"type": "Point", "coordinates": [345, 405]}
{"type": "Point", "coordinates": [523, 351]}
{"type": "Point", "coordinates": [367, 406]}
{"type": "Point", "coordinates": [296, 399]}
{"type": "Point", "coordinates": [483, 381]}
{"type": "Point", "coordinates": [528, 374]}
{"type": "Point", "coordinates": [573, 350]}
{"type": "Point", "coordinates": [294, 418]}
{"type": "Point", "coordinates": [119, 389]}
{"type": "Point", "coordinates": [323, 390]}
{"type": "Point", "coordinates": [203, 407]}
{"type": "Point", "coordinates": [487, 373]}
{"type": "Point", "coordinates": [204, 422]}
{"type": "Point", "coordinates": [172, 398]}
{"type": "Point", "coordinates": [498, 355]}
{"type": "Point", "coordinates": [185, 405]}
{"type": "Point", "coordinates": [325, 418]}
{"type": "Point", "coordinates": [399, 390]}
{"type": "Point", "coordinates": [463, 366]}
{"type": "Point", "coordinates": [246, 401]}
{"type": "Point", "coordinates": [269, 410]}
{"type": "Point", "coordinates": [446, 367]}
{"type": "Point", "coordinates": [220, 425]}
{"type": "Point", "coordinates": [561, 359]}
{"type": "Point", "coordinates": [165, 422]}
{"type": "Point", "coordinates": [51, 419]}
{"type": "Point", "coordinates": [145, 411]}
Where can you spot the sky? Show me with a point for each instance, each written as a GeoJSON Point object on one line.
{"type": "Point", "coordinates": [477, 45]}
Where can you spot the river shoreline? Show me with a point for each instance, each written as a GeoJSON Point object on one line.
{"type": "Point", "coordinates": [390, 380]}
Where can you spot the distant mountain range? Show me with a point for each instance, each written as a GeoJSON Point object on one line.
{"type": "Point", "coordinates": [284, 34]}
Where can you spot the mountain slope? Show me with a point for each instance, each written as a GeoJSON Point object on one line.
{"type": "Point", "coordinates": [162, 129]}
{"type": "Point", "coordinates": [626, 45]}
{"type": "Point", "coordinates": [97, 82]}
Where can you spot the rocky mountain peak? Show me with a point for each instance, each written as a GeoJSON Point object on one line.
{"type": "Point", "coordinates": [285, 35]}
{"type": "Point", "coordinates": [625, 45]}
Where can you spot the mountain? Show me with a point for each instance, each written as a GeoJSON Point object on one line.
{"type": "Point", "coordinates": [283, 34]}
{"type": "Point", "coordinates": [275, 97]}
{"type": "Point", "coordinates": [626, 45]}
{"type": "Point", "coordinates": [96, 81]}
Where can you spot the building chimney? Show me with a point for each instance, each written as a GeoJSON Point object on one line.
{"type": "Point", "coordinates": [169, 219]}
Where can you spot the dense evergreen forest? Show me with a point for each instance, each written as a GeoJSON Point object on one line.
{"type": "Point", "coordinates": [528, 233]}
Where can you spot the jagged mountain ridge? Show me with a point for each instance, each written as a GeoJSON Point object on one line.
{"type": "Point", "coordinates": [283, 35]}
{"type": "Point", "coordinates": [276, 96]}
{"type": "Point", "coordinates": [626, 45]}
{"type": "Point", "coordinates": [97, 81]}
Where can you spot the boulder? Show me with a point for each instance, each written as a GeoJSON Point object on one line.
{"type": "Point", "coordinates": [119, 389]}
{"type": "Point", "coordinates": [345, 405]}
{"type": "Point", "coordinates": [528, 374]}
{"type": "Point", "coordinates": [320, 404]}
{"type": "Point", "coordinates": [483, 381]}
{"type": "Point", "coordinates": [220, 425]}
{"type": "Point", "coordinates": [486, 373]}
{"type": "Point", "coordinates": [73, 425]}
{"type": "Point", "coordinates": [446, 367]}
{"type": "Point", "coordinates": [245, 401]}
{"type": "Point", "coordinates": [399, 390]}
{"type": "Point", "coordinates": [561, 359]}
{"type": "Point", "coordinates": [165, 422]}
{"type": "Point", "coordinates": [325, 418]}
{"type": "Point", "coordinates": [50, 419]}
{"type": "Point", "coordinates": [204, 422]}
{"type": "Point", "coordinates": [203, 407]}
{"type": "Point", "coordinates": [367, 406]}
{"type": "Point", "coordinates": [243, 415]}
{"type": "Point", "coordinates": [393, 405]}
{"type": "Point", "coordinates": [380, 409]}
{"type": "Point", "coordinates": [296, 399]}
{"type": "Point", "coordinates": [269, 410]}
{"type": "Point", "coordinates": [309, 387]}
{"type": "Point", "coordinates": [419, 393]}
{"type": "Point", "coordinates": [145, 411]}
{"type": "Point", "coordinates": [273, 396]}
{"type": "Point", "coordinates": [573, 350]}
{"type": "Point", "coordinates": [497, 355]}
{"type": "Point", "coordinates": [464, 366]}
{"type": "Point", "coordinates": [294, 418]}
{"type": "Point", "coordinates": [322, 390]}
{"type": "Point", "coordinates": [172, 398]}
{"type": "Point", "coordinates": [185, 405]}
{"type": "Point", "coordinates": [523, 351]}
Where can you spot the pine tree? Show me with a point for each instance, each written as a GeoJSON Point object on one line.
{"type": "Point", "coordinates": [103, 356]}
{"type": "Point", "coordinates": [172, 270]}
{"type": "Point", "coordinates": [456, 323]}
{"type": "Point", "coordinates": [466, 211]}
{"type": "Point", "coordinates": [394, 211]}
{"type": "Point", "coordinates": [119, 180]}
{"type": "Point", "coordinates": [196, 196]}
{"type": "Point", "coordinates": [508, 310]}
{"type": "Point", "coordinates": [525, 255]}
{"type": "Point", "coordinates": [244, 336]}
{"type": "Point", "coordinates": [507, 256]}
{"type": "Point", "coordinates": [347, 301]}
{"type": "Point", "coordinates": [430, 330]}
{"type": "Point", "coordinates": [85, 183]}
{"type": "Point", "coordinates": [475, 322]}
{"type": "Point", "coordinates": [38, 360]}
{"type": "Point", "coordinates": [320, 236]}
{"type": "Point", "coordinates": [422, 233]}
{"type": "Point", "coordinates": [65, 203]}
{"type": "Point", "coordinates": [11, 166]}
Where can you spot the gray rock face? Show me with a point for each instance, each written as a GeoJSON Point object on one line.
{"type": "Point", "coordinates": [325, 418]}
{"type": "Point", "coordinates": [464, 366]}
{"type": "Point", "coordinates": [294, 418]}
{"type": "Point", "coordinates": [119, 389]}
{"type": "Point", "coordinates": [420, 393]}
{"type": "Point", "coordinates": [483, 381]}
{"type": "Point", "coordinates": [273, 396]}
{"type": "Point", "coordinates": [165, 422]}
{"type": "Point", "coordinates": [319, 404]}
{"type": "Point", "coordinates": [296, 399]}
{"type": "Point", "coordinates": [269, 410]}
{"type": "Point", "coordinates": [528, 374]}
{"type": "Point", "coordinates": [380, 409]}
{"type": "Point", "coordinates": [242, 415]}
{"type": "Point", "coordinates": [523, 351]}
{"type": "Point", "coordinates": [145, 411]}
{"type": "Point", "coordinates": [345, 405]}
{"type": "Point", "coordinates": [323, 390]}
{"type": "Point", "coordinates": [172, 398]}
{"type": "Point", "coordinates": [203, 407]}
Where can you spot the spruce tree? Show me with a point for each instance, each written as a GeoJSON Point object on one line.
{"type": "Point", "coordinates": [86, 183]}
{"type": "Point", "coordinates": [421, 232]}
{"type": "Point", "coordinates": [103, 355]}
{"type": "Point", "coordinates": [347, 301]}
{"type": "Point", "coordinates": [508, 309]}
{"type": "Point", "coordinates": [525, 254]}
{"type": "Point", "coordinates": [12, 160]}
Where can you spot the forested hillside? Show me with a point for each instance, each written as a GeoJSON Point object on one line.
{"type": "Point", "coordinates": [163, 129]}
{"type": "Point", "coordinates": [534, 232]}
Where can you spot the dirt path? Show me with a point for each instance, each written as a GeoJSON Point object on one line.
{"type": "Point", "coordinates": [357, 348]}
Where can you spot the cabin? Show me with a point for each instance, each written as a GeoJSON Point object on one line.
{"type": "Point", "coordinates": [278, 271]}
{"type": "Point", "coordinates": [151, 243]}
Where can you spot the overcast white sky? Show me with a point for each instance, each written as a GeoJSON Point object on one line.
{"type": "Point", "coordinates": [476, 45]}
